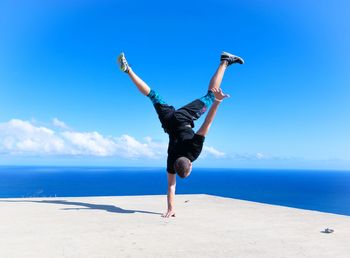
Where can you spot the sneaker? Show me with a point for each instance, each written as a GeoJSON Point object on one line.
{"type": "Point", "coordinates": [231, 59]}
{"type": "Point", "coordinates": [123, 64]}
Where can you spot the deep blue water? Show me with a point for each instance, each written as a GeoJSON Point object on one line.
{"type": "Point", "coordinates": [327, 191]}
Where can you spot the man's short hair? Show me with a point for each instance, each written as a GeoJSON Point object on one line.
{"type": "Point", "coordinates": [183, 167]}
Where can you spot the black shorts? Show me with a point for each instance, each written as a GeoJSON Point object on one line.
{"type": "Point", "coordinates": [171, 118]}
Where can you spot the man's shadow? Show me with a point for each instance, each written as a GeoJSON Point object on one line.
{"type": "Point", "coordinates": [86, 206]}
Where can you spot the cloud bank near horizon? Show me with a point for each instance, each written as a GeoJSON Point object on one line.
{"type": "Point", "coordinates": [25, 138]}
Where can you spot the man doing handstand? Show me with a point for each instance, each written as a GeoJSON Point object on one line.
{"type": "Point", "coordinates": [184, 144]}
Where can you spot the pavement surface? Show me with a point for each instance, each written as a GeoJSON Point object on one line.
{"type": "Point", "coordinates": [132, 226]}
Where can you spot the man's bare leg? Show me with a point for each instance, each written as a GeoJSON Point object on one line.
{"type": "Point", "coordinates": [216, 80]}
{"type": "Point", "coordinates": [140, 84]}
{"type": "Point", "coordinates": [226, 60]}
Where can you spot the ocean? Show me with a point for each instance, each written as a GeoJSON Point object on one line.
{"type": "Point", "coordinates": [326, 191]}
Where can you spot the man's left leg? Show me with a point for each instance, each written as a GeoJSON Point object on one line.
{"type": "Point", "coordinates": [192, 111]}
{"type": "Point", "coordinates": [196, 108]}
{"type": "Point", "coordinates": [226, 60]}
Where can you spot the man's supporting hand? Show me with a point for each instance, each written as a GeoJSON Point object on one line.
{"type": "Point", "coordinates": [168, 214]}
{"type": "Point", "coordinates": [171, 196]}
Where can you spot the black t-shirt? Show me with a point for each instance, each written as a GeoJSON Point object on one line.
{"type": "Point", "coordinates": [183, 143]}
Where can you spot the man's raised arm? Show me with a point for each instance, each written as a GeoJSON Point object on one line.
{"type": "Point", "coordinates": [219, 96]}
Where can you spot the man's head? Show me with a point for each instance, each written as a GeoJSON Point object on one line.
{"type": "Point", "coordinates": [183, 167]}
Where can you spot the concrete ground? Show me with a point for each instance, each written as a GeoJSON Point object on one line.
{"type": "Point", "coordinates": [205, 226]}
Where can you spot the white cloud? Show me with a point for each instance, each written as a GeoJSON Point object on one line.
{"type": "Point", "coordinates": [211, 151]}
{"type": "Point", "coordinates": [60, 124]}
{"type": "Point", "coordinates": [130, 147]}
{"type": "Point", "coordinates": [18, 137]}
{"type": "Point", "coordinates": [88, 143]}
{"type": "Point", "coordinates": [252, 156]}
{"type": "Point", "coordinates": [260, 155]}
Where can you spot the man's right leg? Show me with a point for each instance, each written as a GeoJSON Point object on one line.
{"type": "Point", "coordinates": [140, 84]}
{"type": "Point", "coordinates": [163, 110]}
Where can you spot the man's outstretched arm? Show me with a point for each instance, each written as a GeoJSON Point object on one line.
{"type": "Point", "coordinates": [171, 196]}
{"type": "Point", "coordinates": [219, 96]}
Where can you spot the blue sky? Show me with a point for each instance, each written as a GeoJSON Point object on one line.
{"type": "Point", "coordinates": [289, 105]}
